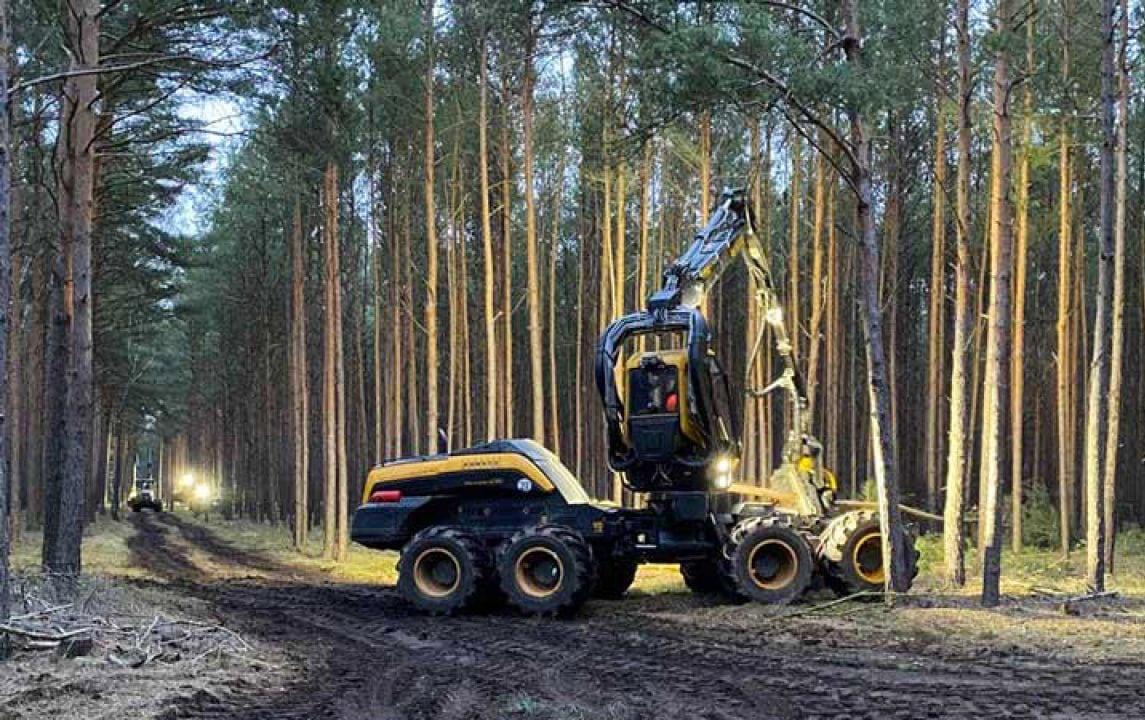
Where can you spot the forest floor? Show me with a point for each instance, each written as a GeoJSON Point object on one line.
{"type": "Point", "coordinates": [317, 643]}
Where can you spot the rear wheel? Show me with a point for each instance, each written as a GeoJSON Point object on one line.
{"type": "Point", "coordinates": [546, 570]}
{"type": "Point", "coordinates": [443, 570]}
{"type": "Point", "coordinates": [613, 578]}
{"type": "Point", "coordinates": [772, 562]}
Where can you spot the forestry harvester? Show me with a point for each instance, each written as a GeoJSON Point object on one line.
{"type": "Point", "coordinates": [505, 520]}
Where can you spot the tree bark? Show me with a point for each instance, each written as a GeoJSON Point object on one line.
{"type": "Point", "coordinates": [487, 247]}
{"type": "Point", "coordinates": [76, 192]}
{"type": "Point", "coordinates": [431, 422]}
{"type": "Point", "coordinates": [1018, 359]}
{"type": "Point", "coordinates": [1113, 432]}
{"type": "Point", "coordinates": [883, 443]}
{"type": "Point", "coordinates": [1099, 367]}
{"type": "Point", "coordinates": [818, 292]}
{"type": "Point", "coordinates": [936, 313]}
{"type": "Point", "coordinates": [300, 388]}
{"type": "Point", "coordinates": [506, 263]}
{"type": "Point", "coordinates": [335, 535]}
{"type": "Point", "coordinates": [1064, 339]}
{"type": "Point", "coordinates": [953, 541]}
{"type": "Point", "coordinates": [794, 195]}
{"type": "Point", "coordinates": [532, 259]}
{"type": "Point", "coordinates": [998, 335]}
{"type": "Point", "coordinates": [5, 289]}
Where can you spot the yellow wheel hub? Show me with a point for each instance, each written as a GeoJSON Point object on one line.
{"type": "Point", "coordinates": [539, 572]}
{"type": "Point", "coordinates": [773, 564]}
{"type": "Point", "coordinates": [436, 572]}
{"type": "Point", "coordinates": [867, 558]}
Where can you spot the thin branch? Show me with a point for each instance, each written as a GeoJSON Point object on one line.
{"type": "Point", "coordinates": [767, 78]}
{"type": "Point", "coordinates": [108, 69]}
{"type": "Point", "coordinates": [807, 13]}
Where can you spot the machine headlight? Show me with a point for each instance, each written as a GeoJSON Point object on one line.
{"type": "Point", "coordinates": [723, 466]}
{"type": "Point", "coordinates": [203, 492]}
{"type": "Point", "coordinates": [774, 316]}
{"type": "Point", "coordinates": [187, 480]}
{"type": "Point", "coordinates": [722, 481]}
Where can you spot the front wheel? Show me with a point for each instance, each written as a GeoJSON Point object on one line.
{"type": "Point", "coordinates": [851, 551]}
{"type": "Point", "coordinates": [712, 576]}
{"type": "Point", "coordinates": [546, 570]}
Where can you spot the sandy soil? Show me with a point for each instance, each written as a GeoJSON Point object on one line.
{"type": "Point", "coordinates": [324, 650]}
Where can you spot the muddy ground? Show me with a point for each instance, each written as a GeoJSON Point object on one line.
{"type": "Point", "coordinates": [356, 652]}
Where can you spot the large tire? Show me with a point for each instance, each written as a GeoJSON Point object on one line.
{"type": "Point", "coordinates": [546, 570]}
{"type": "Point", "coordinates": [772, 562]}
{"type": "Point", "coordinates": [613, 578]}
{"type": "Point", "coordinates": [444, 571]}
{"type": "Point", "coordinates": [850, 552]}
{"type": "Point", "coordinates": [711, 576]}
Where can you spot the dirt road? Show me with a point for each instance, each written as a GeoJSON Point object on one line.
{"type": "Point", "coordinates": [359, 653]}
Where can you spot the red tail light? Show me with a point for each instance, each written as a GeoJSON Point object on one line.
{"type": "Point", "coordinates": [672, 404]}
{"type": "Point", "coordinates": [386, 496]}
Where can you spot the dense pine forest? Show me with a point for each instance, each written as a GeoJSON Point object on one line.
{"type": "Point", "coordinates": [274, 244]}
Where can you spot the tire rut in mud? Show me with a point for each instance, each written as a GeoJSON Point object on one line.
{"type": "Point", "coordinates": [362, 653]}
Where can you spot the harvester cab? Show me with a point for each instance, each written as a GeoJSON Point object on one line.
{"type": "Point", "coordinates": [669, 417]}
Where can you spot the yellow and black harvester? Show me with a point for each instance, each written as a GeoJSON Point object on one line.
{"type": "Point", "coordinates": [506, 521]}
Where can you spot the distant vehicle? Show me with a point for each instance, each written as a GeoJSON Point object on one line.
{"type": "Point", "coordinates": [145, 496]}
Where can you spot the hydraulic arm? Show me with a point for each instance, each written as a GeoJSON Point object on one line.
{"type": "Point", "coordinates": [666, 426]}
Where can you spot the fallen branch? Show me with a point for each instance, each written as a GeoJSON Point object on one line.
{"type": "Point", "coordinates": [833, 603]}
{"type": "Point", "coordinates": [41, 613]}
{"type": "Point", "coordinates": [38, 635]}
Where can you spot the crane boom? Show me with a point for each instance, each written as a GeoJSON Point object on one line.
{"type": "Point", "coordinates": [730, 233]}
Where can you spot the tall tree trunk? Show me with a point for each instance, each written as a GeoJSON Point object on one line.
{"type": "Point", "coordinates": [1112, 441]}
{"type": "Point", "coordinates": [300, 390]}
{"type": "Point", "coordinates": [411, 386]}
{"type": "Point", "coordinates": [1064, 340]}
{"type": "Point", "coordinates": [532, 260]}
{"type": "Point", "coordinates": [794, 197]}
{"type": "Point", "coordinates": [1097, 399]}
{"type": "Point", "coordinates": [953, 541]}
{"type": "Point", "coordinates": [936, 312]}
{"type": "Point", "coordinates": [1018, 360]}
{"type": "Point", "coordinates": [5, 287]}
{"type": "Point", "coordinates": [332, 329]}
{"type": "Point", "coordinates": [76, 192]}
{"type": "Point", "coordinates": [487, 248]}
{"type": "Point", "coordinates": [506, 263]}
{"type": "Point", "coordinates": [431, 422]}
{"type": "Point", "coordinates": [397, 297]}
{"type": "Point", "coordinates": [381, 410]}
{"type": "Point", "coordinates": [341, 436]}
{"type": "Point", "coordinates": [998, 336]}
{"type": "Point", "coordinates": [818, 291]}
{"type": "Point", "coordinates": [882, 442]}
{"type": "Point", "coordinates": [554, 251]}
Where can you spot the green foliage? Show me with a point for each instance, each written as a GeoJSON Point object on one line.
{"type": "Point", "coordinates": [1040, 522]}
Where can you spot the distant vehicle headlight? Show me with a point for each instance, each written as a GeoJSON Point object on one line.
{"type": "Point", "coordinates": [203, 492]}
